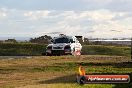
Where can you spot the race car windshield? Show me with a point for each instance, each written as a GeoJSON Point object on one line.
{"type": "Point", "coordinates": [62, 40]}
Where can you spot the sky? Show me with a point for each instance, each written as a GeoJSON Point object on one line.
{"type": "Point", "coordinates": [90, 18]}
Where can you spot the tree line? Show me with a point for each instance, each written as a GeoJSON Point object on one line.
{"type": "Point", "coordinates": [45, 39]}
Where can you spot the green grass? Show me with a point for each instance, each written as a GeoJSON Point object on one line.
{"type": "Point", "coordinates": [106, 50]}
{"type": "Point", "coordinates": [60, 71]}
{"type": "Point", "coordinates": [21, 49]}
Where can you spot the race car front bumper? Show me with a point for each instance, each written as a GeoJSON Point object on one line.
{"type": "Point", "coordinates": [60, 52]}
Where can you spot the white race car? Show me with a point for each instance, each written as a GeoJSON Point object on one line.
{"type": "Point", "coordinates": [64, 45]}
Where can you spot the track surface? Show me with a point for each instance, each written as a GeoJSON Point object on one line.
{"type": "Point", "coordinates": [58, 71]}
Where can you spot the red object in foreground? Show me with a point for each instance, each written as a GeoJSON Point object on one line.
{"type": "Point", "coordinates": [78, 52]}
{"type": "Point", "coordinates": [82, 78]}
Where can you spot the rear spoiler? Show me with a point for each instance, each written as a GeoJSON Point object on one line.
{"type": "Point", "coordinates": [80, 37]}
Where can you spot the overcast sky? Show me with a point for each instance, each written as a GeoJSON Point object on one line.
{"type": "Point", "coordinates": [90, 18]}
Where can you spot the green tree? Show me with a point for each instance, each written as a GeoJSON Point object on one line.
{"type": "Point", "coordinates": [42, 39]}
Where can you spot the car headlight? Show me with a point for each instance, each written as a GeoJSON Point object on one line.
{"type": "Point", "coordinates": [67, 47]}
{"type": "Point", "coordinates": [49, 47]}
